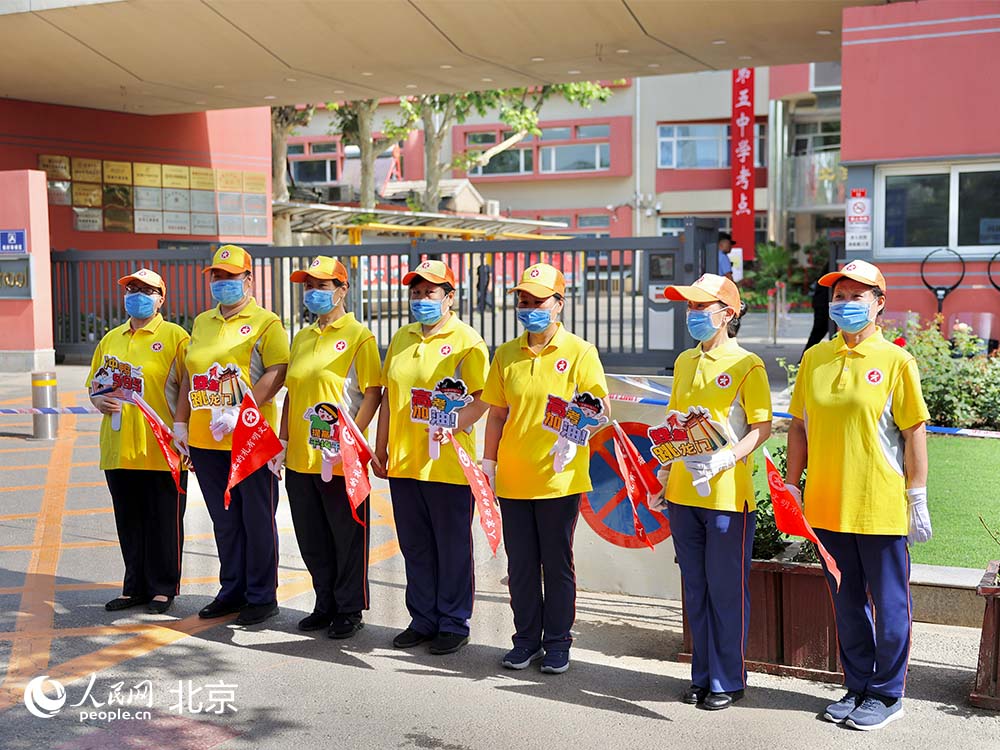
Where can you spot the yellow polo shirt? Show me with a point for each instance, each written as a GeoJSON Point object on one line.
{"type": "Point", "coordinates": [412, 361]}
{"type": "Point", "coordinates": [336, 363]}
{"type": "Point", "coordinates": [148, 362]}
{"type": "Point", "coordinates": [732, 384]}
{"type": "Point", "coordinates": [855, 404]}
{"type": "Point", "coordinates": [523, 382]}
{"type": "Point", "coordinates": [226, 357]}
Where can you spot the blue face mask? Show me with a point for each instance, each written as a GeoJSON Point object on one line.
{"type": "Point", "coordinates": [535, 320]}
{"type": "Point", "coordinates": [227, 291]}
{"type": "Point", "coordinates": [426, 311]}
{"type": "Point", "coordinates": [851, 317]}
{"type": "Point", "coordinates": [319, 301]}
{"type": "Point", "coordinates": [700, 326]}
{"type": "Point", "coordinates": [140, 306]}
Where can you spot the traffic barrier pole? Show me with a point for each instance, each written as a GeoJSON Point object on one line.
{"type": "Point", "coordinates": [43, 395]}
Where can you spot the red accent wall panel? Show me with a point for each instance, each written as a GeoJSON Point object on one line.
{"type": "Point", "coordinates": [788, 81]}
{"type": "Point", "coordinates": [672, 180]}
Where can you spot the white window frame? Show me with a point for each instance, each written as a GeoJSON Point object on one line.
{"type": "Point", "coordinates": [953, 169]}
{"type": "Point", "coordinates": [723, 145]}
{"type": "Point", "coordinates": [548, 154]}
{"type": "Point", "coordinates": [328, 180]}
{"type": "Point", "coordinates": [477, 171]}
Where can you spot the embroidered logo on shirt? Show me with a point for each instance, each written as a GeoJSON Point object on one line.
{"type": "Point", "coordinates": [874, 376]}
{"type": "Point", "coordinates": [340, 345]}
{"type": "Point", "coordinates": [445, 350]}
{"type": "Point", "coordinates": [562, 365]}
{"type": "Point", "coordinates": [245, 330]}
{"type": "Point", "coordinates": [157, 346]}
{"type": "Point", "coordinates": [724, 381]}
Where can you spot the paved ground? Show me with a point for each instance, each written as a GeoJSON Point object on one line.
{"type": "Point", "coordinates": [277, 688]}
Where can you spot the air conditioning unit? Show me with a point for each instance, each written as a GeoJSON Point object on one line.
{"type": "Point", "coordinates": [492, 207]}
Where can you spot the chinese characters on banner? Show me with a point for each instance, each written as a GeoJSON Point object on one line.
{"type": "Point", "coordinates": [741, 161]}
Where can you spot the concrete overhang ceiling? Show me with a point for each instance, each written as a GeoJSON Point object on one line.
{"type": "Point", "coordinates": [170, 56]}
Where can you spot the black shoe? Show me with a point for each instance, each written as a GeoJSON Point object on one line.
{"type": "Point", "coordinates": [158, 608]}
{"type": "Point", "coordinates": [694, 695]}
{"type": "Point", "coordinates": [719, 701]}
{"type": "Point", "coordinates": [219, 608]}
{"type": "Point", "coordinates": [315, 621]}
{"type": "Point", "coordinates": [410, 638]}
{"type": "Point", "coordinates": [251, 614]}
{"type": "Point", "coordinates": [345, 626]}
{"type": "Point", "coordinates": [447, 643]}
{"type": "Point", "coordinates": [119, 603]}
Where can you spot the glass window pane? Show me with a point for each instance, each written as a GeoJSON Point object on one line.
{"type": "Point", "coordinates": [604, 154]}
{"type": "Point", "coordinates": [528, 160]}
{"type": "Point", "coordinates": [831, 126]}
{"type": "Point", "coordinates": [702, 131]}
{"type": "Point", "coordinates": [557, 134]}
{"type": "Point", "coordinates": [506, 162]}
{"type": "Point", "coordinates": [309, 171]}
{"type": "Point", "coordinates": [323, 148]}
{"type": "Point", "coordinates": [666, 154]}
{"type": "Point", "coordinates": [697, 154]}
{"type": "Point", "coordinates": [593, 221]}
{"type": "Point", "coordinates": [593, 131]}
{"type": "Point", "coordinates": [574, 158]}
{"type": "Point", "coordinates": [666, 131]}
{"type": "Point", "coordinates": [480, 139]}
{"type": "Point", "coordinates": [296, 148]}
{"type": "Point", "coordinates": [916, 210]}
{"type": "Point", "coordinates": [979, 208]}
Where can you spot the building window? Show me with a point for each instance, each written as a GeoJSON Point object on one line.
{"type": "Point", "coordinates": [593, 131]}
{"type": "Point", "coordinates": [575, 158]}
{"type": "Point", "coordinates": [296, 148]}
{"type": "Point", "coordinates": [314, 171]}
{"type": "Point", "coordinates": [564, 148]}
{"type": "Point", "coordinates": [702, 146]}
{"type": "Point", "coordinates": [511, 161]}
{"type": "Point", "coordinates": [557, 134]}
{"type": "Point", "coordinates": [315, 162]}
{"type": "Point", "coordinates": [600, 221]}
{"type": "Point", "coordinates": [811, 137]}
{"type": "Point", "coordinates": [922, 208]}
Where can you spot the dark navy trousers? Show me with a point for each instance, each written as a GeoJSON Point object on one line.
{"type": "Point", "coordinates": [873, 609]}
{"type": "Point", "coordinates": [434, 528]}
{"type": "Point", "coordinates": [538, 536]}
{"type": "Point", "coordinates": [334, 546]}
{"type": "Point", "coordinates": [713, 550]}
{"type": "Point", "coordinates": [245, 535]}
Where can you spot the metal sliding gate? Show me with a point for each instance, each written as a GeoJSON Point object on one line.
{"type": "Point", "coordinates": [609, 283]}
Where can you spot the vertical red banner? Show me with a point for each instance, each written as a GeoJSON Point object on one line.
{"type": "Point", "coordinates": [741, 160]}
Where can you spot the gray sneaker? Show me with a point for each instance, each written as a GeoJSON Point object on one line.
{"type": "Point", "coordinates": [873, 713]}
{"type": "Point", "coordinates": [837, 712]}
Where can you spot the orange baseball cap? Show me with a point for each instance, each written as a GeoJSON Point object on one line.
{"type": "Point", "coordinates": [707, 289]}
{"type": "Point", "coordinates": [231, 258]}
{"type": "Point", "coordinates": [435, 271]}
{"type": "Point", "coordinates": [858, 270]}
{"type": "Point", "coordinates": [322, 267]}
{"type": "Point", "coordinates": [145, 276]}
{"type": "Point", "coordinates": [541, 280]}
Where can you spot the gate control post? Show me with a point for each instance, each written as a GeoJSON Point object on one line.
{"type": "Point", "coordinates": [43, 394]}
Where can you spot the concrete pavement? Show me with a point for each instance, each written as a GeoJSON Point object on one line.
{"type": "Point", "coordinates": [213, 685]}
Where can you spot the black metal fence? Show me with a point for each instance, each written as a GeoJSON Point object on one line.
{"type": "Point", "coordinates": [604, 303]}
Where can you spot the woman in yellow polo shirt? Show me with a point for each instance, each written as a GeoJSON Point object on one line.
{"type": "Point", "coordinates": [433, 374]}
{"type": "Point", "coordinates": [858, 408]}
{"type": "Point", "coordinates": [546, 389]}
{"type": "Point", "coordinates": [334, 363]}
{"type": "Point", "coordinates": [710, 497]}
{"type": "Point", "coordinates": [235, 346]}
{"type": "Point", "coordinates": [144, 356]}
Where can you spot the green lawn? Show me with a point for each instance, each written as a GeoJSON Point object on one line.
{"type": "Point", "coordinates": [964, 484]}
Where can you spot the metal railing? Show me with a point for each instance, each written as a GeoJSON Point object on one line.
{"type": "Point", "coordinates": [603, 302]}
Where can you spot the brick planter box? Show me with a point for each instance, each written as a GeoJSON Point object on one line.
{"type": "Point", "coordinates": [792, 627]}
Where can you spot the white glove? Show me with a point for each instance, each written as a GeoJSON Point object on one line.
{"type": "Point", "coordinates": [330, 459]}
{"type": "Point", "coordinates": [490, 470]}
{"type": "Point", "coordinates": [278, 462]}
{"type": "Point", "coordinates": [562, 453]}
{"type": "Point", "coordinates": [920, 517]}
{"type": "Point", "coordinates": [659, 500]}
{"type": "Point", "coordinates": [795, 493]}
{"type": "Point", "coordinates": [703, 468]}
{"type": "Point", "coordinates": [181, 438]}
{"type": "Point", "coordinates": [223, 421]}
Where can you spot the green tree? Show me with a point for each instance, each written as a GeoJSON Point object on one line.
{"type": "Point", "coordinates": [284, 120]}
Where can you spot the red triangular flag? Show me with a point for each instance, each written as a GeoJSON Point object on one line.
{"type": "Point", "coordinates": [489, 514]}
{"type": "Point", "coordinates": [254, 444]}
{"type": "Point", "coordinates": [355, 467]}
{"type": "Point", "coordinates": [163, 437]}
{"type": "Point", "coordinates": [789, 519]}
{"type": "Point", "coordinates": [636, 476]}
{"type": "Point", "coordinates": [363, 450]}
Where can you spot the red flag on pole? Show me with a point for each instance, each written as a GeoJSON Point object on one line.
{"type": "Point", "coordinates": [789, 519]}
{"type": "Point", "coordinates": [355, 465]}
{"type": "Point", "coordinates": [639, 478]}
{"type": "Point", "coordinates": [362, 448]}
{"type": "Point", "coordinates": [163, 437]}
{"type": "Point", "coordinates": [489, 515]}
{"type": "Point", "coordinates": [254, 444]}
{"type": "Point", "coordinates": [743, 142]}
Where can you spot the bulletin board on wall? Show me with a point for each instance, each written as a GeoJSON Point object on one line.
{"type": "Point", "coordinates": [150, 198]}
